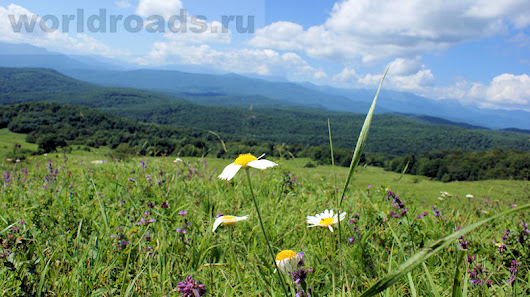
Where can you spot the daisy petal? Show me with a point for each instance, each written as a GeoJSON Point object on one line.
{"type": "Point", "coordinates": [229, 172]}
{"type": "Point", "coordinates": [342, 216]}
{"type": "Point", "coordinates": [217, 222]}
{"type": "Point", "coordinates": [261, 164]}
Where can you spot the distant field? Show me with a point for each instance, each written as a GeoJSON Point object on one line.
{"type": "Point", "coordinates": [8, 141]}
{"type": "Point", "coordinates": [418, 187]}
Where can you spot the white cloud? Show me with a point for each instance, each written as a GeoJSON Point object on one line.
{"type": "Point", "coordinates": [367, 31]}
{"type": "Point", "coordinates": [53, 40]}
{"type": "Point", "coordinates": [209, 32]}
{"type": "Point", "coordinates": [256, 61]}
{"type": "Point", "coordinates": [346, 76]}
{"type": "Point", "coordinates": [506, 91]}
{"type": "Point", "coordinates": [509, 89]}
{"type": "Point", "coordinates": [164, 8]}
{"type": "Point", "coordinates": [402, 66]}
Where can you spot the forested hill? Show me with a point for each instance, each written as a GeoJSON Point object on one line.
{"type": "Point", "coordinates": [52, 125]}
{"type": "Point", "coordinates": [390, 134]}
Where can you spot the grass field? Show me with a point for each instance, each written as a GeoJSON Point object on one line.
{"type": "Point", "coordinates": [69, 227]}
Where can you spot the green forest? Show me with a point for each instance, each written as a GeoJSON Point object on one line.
{"type": "Point", "coordinates": [52, 126]}
{"type": "Point", "coordinates": [57, 111]}
{"type": "Point", "coordinates": [390, 134]}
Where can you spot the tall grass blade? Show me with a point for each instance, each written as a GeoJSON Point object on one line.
{"type": "Point", "coordinates": [403, 172]}
{"type": "Point", "coordinates": [412, 286]}
{"type": "Point", "coordinates": [43, 276]}
{"type": "Point", "coordinates": [220, 139]}
{"type": "Point", "coordinates": [101, 208]}
{"type": "Point", "coordinates": [7, 228]}
{"type": "Point", "coordinates": [331, 144]}
{"type": "Point", "coordinates": [131, 284]}
{"type": "Point", "coordinates": [457, 283]}
{"type": "Point", "coordinates": [434, 288]}
{"type": "Point", "coordinates": [429, 251]}
{"type": "Point", "coordinates": [361, 141]}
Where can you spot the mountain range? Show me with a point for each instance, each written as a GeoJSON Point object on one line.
{"type": "Point", "coordinates": [290, 124]}
{"type": "Point", "coordinates": [236, 90]}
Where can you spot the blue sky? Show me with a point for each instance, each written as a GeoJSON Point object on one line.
{"type": "Point", "coordinates": [474, 51]}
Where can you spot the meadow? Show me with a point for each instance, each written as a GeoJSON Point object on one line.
{"type": "Point", "coordinates": [73, 227]}
{"type": "Point", "coordinates": [80, 223]}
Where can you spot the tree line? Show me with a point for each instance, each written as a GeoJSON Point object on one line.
{"type": "Point", "coordinates": [52, 126]}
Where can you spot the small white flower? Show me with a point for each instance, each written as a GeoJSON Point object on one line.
{"type": "Point", "coordinates": [287, 261]}
{"type": "Point", "coordinates": [177, 160]}
{"type": "Point", "coordinates": [245, 160]}
{"type": "Point", "coordinates": [325, 219]}
{"type": "Point", "coordinates": [227, 220]}
{"type": "Point", "coordinates": [469, 196]}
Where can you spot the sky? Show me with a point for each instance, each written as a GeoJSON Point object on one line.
{"type": "Point", "coordinates": [476, 52]}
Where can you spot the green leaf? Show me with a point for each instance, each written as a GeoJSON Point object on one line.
{"type": "Point", "coordinates": [429, 251]}
{"type": "Point", "coordinates": [457, 283]}
{"type": "Point", "coordinates": [361, 141]}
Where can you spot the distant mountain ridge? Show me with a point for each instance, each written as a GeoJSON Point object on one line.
{"type": "Point", "coordinates": [109, 72]}
{"type": "Point", "coordinates": [408, 103]}
{"type": "Point", "coordinates": [355, 100]}
{"type": "Point", "coordinates": [290, 124]}
{"type": "Point", "coordinates": [176, 83]}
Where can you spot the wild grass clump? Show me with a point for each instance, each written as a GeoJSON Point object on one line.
{"type": "Point", "coordinates": [141, 227]}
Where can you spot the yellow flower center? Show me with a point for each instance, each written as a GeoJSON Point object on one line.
{"type": "Point", "coordinates": [227, 220]}
{"type": "Point", "coordinates": [243, 159]}
{"type": "Point", "coordinates": [326, 221]}
{"type": "Point", "coordinates": [286, 254]}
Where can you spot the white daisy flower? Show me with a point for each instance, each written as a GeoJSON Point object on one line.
{"type": "Point", "coordinates": [325, 219]}
{"type": "Point", "coordinates": [287, 261]}
{"type": "Point", "coordinates": [245, 160]}
{"type": "Point", "coordinates": [227, 220]}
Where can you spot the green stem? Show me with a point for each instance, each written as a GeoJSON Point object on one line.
{"type": "Point", "coordinates": [233, 256]}
{"type": "Point", "coordinates": [265, 233]}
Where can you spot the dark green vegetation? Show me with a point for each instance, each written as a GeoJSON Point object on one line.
{"type": "Point", "coordinates": [471, 166]}
{"type": "Point", "coordinates": [390, 134]}
{"type": "Point", "coordinates": [52, 125]}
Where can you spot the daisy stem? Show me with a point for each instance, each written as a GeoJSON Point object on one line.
{"type": "Point", "coordinates": [280, 276]}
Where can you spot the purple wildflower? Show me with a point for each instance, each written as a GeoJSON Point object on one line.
{"type": "Point", "coordinates": [122, 244]}
{"type": "Point", "coordinates": [7, 178]}
{"type": "Point", "coordinates": [182, 212]}
{"type": "Point", "coordinates": [164, 205]}
{"type": "Point", "coordinates": [515, 264]}
{"type": "Point", "coordinates": [191, 288]}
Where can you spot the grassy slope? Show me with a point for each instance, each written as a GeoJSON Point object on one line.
{"type": "Point", "coordinates": [420, 187]}
{"type": "Point", "coordinates": [75, 227]}
{"type": "Point", "coordinates": [8, 141]}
